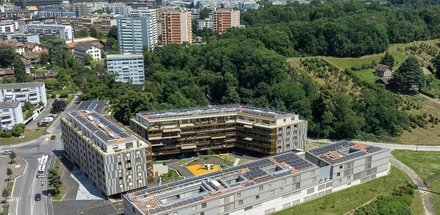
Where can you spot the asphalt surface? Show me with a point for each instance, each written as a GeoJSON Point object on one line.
{"type": "Point", "coordinates": [46, 112]}
{"type": "Point", "coordinates": [28, 185]}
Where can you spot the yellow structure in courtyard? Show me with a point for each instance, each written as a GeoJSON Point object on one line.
{"type": "Point", "coordinates": [200, 169]}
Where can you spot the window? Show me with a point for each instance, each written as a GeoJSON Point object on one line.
{"type": "Point", "coordinates": [194, 208]}
{"type": "Point", "coordinates": [261, 188]}
{"type": "Point", "coordinates": [238, 195]}
{"type": "Point", "coordinates": [204, 205]}
{"type": "Point", "coordinates": [257, 197]}
{"type": "Point", "coordinates": [240, 202]}
{"type": "Point", "coordinates": [311, 190]}
{"type": "Point", "coordinates": [338, 174]}
{"type": "Point", "coordinates": [340, 167]}
{"type": "Point", "coordinates": [314, 179]}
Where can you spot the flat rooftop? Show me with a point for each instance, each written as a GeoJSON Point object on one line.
{"type": "Point", "coordinates": [180, 193]}
{"type": "Point", "coordinates": [21, 85]}
{"type": "Point", "coordinates": [95, 105]}
{"type": "Point", "coordinates": [212, 111]}
{"type": "Point", "coordinates": [4, 105]}
{"type": "Point", "coordinates": [124, 56]}
{"type": "Point", "coordinates": [100, 127]}
{"type": "Point", "coordinates": [343, 151]}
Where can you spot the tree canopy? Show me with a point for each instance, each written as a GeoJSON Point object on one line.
{"type": "Point", "coordinates": [409, 76]}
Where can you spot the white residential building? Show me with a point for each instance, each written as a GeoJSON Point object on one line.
{"type": "Point", "coordinates": [92, 49]}
{"type": "Point", "coordinates": [127, 67]}
{"type": "Point", "coordinates": [10, 114]}
{"type": "Point", "coordinates": [138, 30]}
{"type": "Point", "coordinates": [7, 27]}
{"type": "Point", "coordinates": [205, 23]}
{"type": "Point", "coordinates": [34, 92]}
{"type": "Point", "coordinates": [65, 32]}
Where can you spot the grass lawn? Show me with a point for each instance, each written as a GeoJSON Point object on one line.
{"type": "Point", "coordinates": [433, 88]}
{"type": "Point", "coordinates": [346, 200]}
{"type": "Point", "coordinates": [367, 75]}
{"type": "Point", "coordinates": [29, 134]}
{"type": "Point", "coordinates": [427, 166]}
{"type": "Point", "coordinates": [172, 175]}
{"type": "Point", "coordinates": [9, 187]}
{"type": "Point", "coordinates": [425, 136]}
{"type": "Point", "coordinates": [348, 62]}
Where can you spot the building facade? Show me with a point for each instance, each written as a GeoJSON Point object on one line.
{"type": "Point", "coordinates": [176, 26]}
{"type": "Point", "coordinates": [138, 30]}
{"type": "Point", "coordinates": [224, 19]}
{"type": "Point", "coordinates": [92, 49]}
{"type": "Point", "coordinates": [65, 32]}
{"type": "Point", "coordinates": [260, 187]}
{"type": "Point", "coordinates": [102, 23]}
{"type": "Point", "coordinates": [127, 67]}
{"type": "Point", "coordinates": [221, 128]}
{"type": "Point", "coordinates": [115, 161]}
{"type": "Point", "coordinates": [205, 23]}
{"type": "Point", "coordinates": [24, 38]}
{"type": "Point", "coordinates": [10, 114]}
{"type": "Point", "coordinates": [26, 3]}
{"type": "Point", "coordinates": [7, 27]}
{"type": "Point", "coordinates": [34, 92]}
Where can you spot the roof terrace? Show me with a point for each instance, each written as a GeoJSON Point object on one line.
{"type": "Point", "coordinates": [343, 151]}
{"type": "Point", "coordinates": [100, 127]}
{"type": "Point", "coordinates": [201, 112]}
{"type": "Point", "coordinates": [196, 189]}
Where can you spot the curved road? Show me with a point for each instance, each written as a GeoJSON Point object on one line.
{"type": "Point", "coordinates": [28, 185]}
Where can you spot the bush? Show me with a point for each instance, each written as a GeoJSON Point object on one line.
{"type": "Point", "coordinates": [64, 95]}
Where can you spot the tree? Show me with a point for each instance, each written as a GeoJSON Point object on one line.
{"type": "Point", "coordinates": [9, 172]}
{"type": "Point", "coordinates": [82, 33]}
{"type": "Point", "coordinates": [5, 193]}
{"type": "Point", "coordinates": [409, 76]}
{"type": "Point", "coordinates": [436, 64]}
{"type": "Point", "coordinates": [7, 56]}
{"type": "Point", "coordinates": [19, 69]}
{"type": "Point", "coordinates": [388, 60]}
{"type": "Point", "coordinates": [58, 106]}
{"type": "Point", "coordinates": [88, 60]}
{"type": "Point", "coordinates": [12, 156]}
{"type": "Point", "coordinates": [44, 59]}
{"type": "Point", "coordinates": [113, 33]}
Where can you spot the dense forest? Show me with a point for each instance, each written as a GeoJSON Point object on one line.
{"type": "Point", "coordinates": [248, 65]}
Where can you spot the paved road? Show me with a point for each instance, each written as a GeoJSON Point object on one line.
{"type": "Point", "coordinates": [46, 111]}
{"type": "Point", "coordinates": [28, 185]}
{"type": "Point", "coordinates": [424, 190]}
{"type": "Point", "coordinates": [384, 145]}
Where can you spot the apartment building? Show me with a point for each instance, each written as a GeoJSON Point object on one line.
{"type": "Point", "coordinates": [92, 49]}
{"type": "Point", "coordinates": [176, 26]}
{"type": "Point", "coordinates": [7, 27]}
{"type": "Point", "coordinates": [65, 32]}
{"type": "Point", "coordinates": [10, 114]}
{"type": "Point", "coordinates": [221, 128]}
{"type": "Point", "coordinates": [260, 187]}
{"type": "Point", "coordinates": [23, 38]}
{"type": "Point", "coordinates": [205, 23]}
{"type": "Point", "coordinates": [350, 163]}
{"type": "Point", "coordinates": [26, 3]}
{"type": "Point", "coordinates": [137, 31]}
{"type": "Point", "coordinates": [127, 67]}
{"type": "Point", "coordinates": [102, 23]}
{"type": "Point", "coordinates": [113, 160]}
{"type": "Point", "coordinates": [224, 19]}
{"type": "Point", "coordinates": [34, 92]}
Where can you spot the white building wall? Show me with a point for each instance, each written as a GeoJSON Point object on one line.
{"type": "Point", "coordinates": [11, 116]}
{"type": "Point", "coordinates": [126, 67]}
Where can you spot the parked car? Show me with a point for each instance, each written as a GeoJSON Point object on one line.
{"type": "Point", "coordinates": [7, 152]}
{"type": "Point", "coordinates": [37, 197]}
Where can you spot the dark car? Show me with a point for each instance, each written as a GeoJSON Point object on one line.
{"type": "Point", "coordinates": [37, 197]}
{"type": "Point", "coordinates": [53, 137]}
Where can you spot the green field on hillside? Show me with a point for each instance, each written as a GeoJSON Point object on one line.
{"type": "Point", "coordinates": [427, 166]}
{"type": "Point", "coordinates": [346, 200]}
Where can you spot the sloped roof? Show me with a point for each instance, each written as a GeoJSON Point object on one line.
{"type": "Point", "coordinates": [382, 68]}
